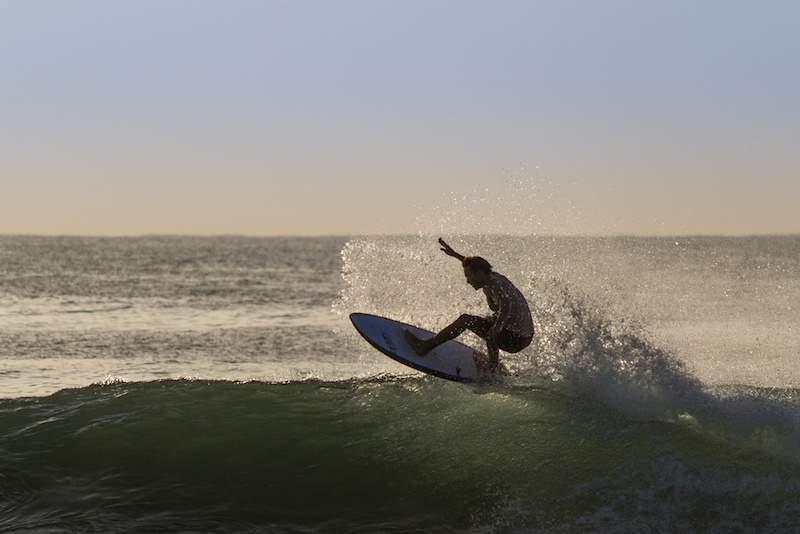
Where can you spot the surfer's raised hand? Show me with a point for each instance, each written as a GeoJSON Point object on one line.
{"type": "Point", "coordinates": [447, 249]}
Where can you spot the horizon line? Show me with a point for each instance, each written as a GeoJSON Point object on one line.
{"type": "Point", "coordinates": [400, 234]}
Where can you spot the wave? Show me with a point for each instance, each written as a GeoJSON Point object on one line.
{"type": "Point", "coordinates": [375, 454]}
{"type": "Point", "coordinates": [99, 310]}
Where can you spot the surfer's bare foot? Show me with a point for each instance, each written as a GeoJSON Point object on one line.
{"type": "Point", "coordinates": [419, 346]}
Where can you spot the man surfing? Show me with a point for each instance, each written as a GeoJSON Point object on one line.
{"type": "Point", "coordinates": [509, 328]}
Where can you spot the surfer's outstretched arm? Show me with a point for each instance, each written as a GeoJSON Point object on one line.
{"type": "Point", "coordinates": [447, 249]}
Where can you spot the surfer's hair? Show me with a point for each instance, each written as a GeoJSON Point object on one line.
{"type": "Point", "coordinates": [477, 263]}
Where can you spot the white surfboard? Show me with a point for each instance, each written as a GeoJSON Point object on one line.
{"type": "Point", "coordinates": [451, 360]}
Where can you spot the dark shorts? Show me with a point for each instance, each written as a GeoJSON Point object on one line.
{"type": "Point", "coordinates": [508, 340]}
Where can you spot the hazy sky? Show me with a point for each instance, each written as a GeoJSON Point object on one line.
{"type": "Point", "coordinates": [299, 117]}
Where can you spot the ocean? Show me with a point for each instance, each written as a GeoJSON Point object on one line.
{"type": "Point", "coordinates": [215, 384]}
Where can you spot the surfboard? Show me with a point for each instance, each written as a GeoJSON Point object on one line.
{"type": "Point", "coordinates": [451, 360]}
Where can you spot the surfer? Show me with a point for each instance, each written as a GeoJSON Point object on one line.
{"type": "Point", "coordinates": [509, 328]}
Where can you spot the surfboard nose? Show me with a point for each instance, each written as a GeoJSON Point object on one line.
{"type": "Point", "coordinates": [451, 360]}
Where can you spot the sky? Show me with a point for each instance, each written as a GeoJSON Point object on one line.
{"type": "Point", "coordinates": [361, 117]}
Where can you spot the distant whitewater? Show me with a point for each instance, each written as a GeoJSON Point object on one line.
{"type": "Point", "coordinates": [215, 384]}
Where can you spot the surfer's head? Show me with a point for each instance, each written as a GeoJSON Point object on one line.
{"type": "Point", "coordinates": [477, 271]}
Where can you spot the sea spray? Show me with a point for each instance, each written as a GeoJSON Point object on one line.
{"type": "Point", "coordinates": [584, 343]}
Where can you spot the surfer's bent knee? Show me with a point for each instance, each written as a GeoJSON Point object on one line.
{"type": "Point", "coordinates": [469, 319]}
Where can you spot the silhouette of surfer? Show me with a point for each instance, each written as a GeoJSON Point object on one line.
{"type": "Point", "coordinates": [509, 328]}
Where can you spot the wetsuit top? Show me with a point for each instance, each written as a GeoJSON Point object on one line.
{"type": "Point", "coordinates": [509, 304]}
